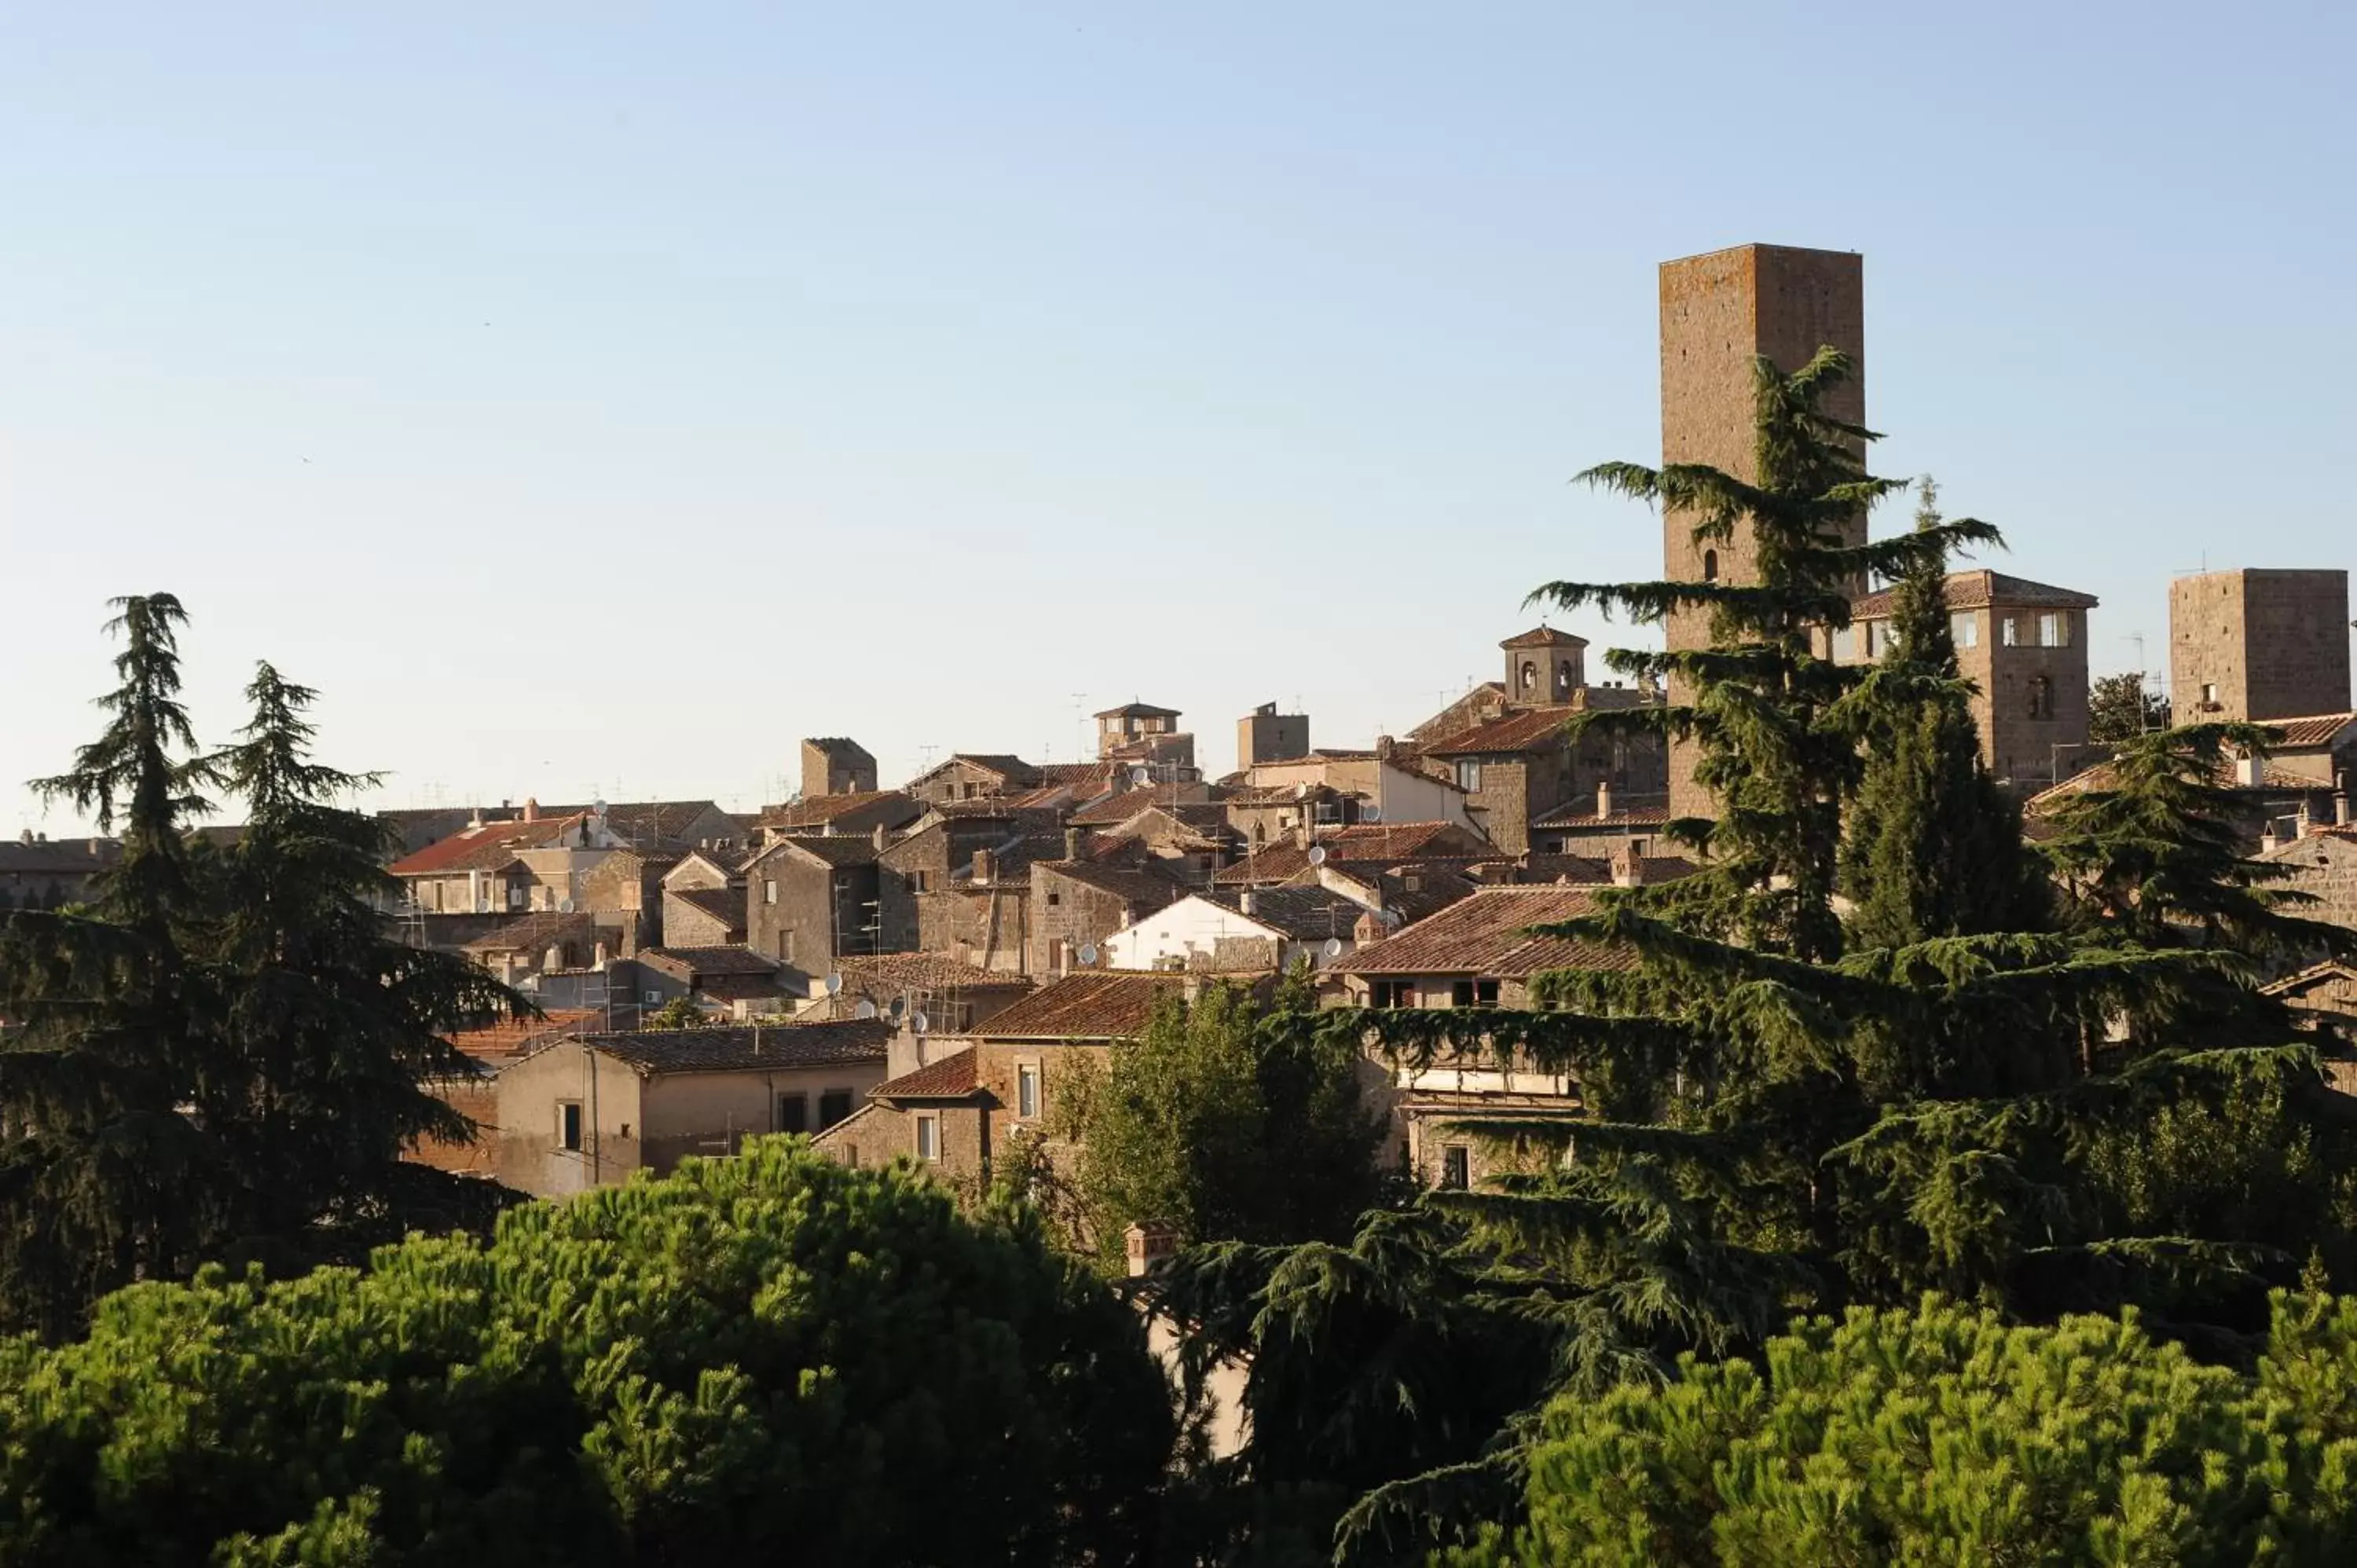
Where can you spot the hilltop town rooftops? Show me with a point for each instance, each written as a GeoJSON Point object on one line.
{"type": "Point", "coordinates": [1090, 1005]}
{"type": "Point", "coordinates": [1530, 729]}
{"type": "Point", "coordinates": [2310, 733]}
{"type": "Point", "coordinates": [485, 847]}
{"type": "Point", "coordinates": [33, 856]}
{"type": "Point", "coordinates": [1304, 914]}
{"type": "Point", "coordinates": [815, 812]}
{"type": "Point", "coordinates": [1488, 933]}
{"type": "Point", "coordinates": [1581, 813]}
{"type": "Point", "coordinates": [898, 972]}
{"type": "Point", "coordinates": [954, 1076]}
{"type": "Point", "coordinates": [724, 904]}
{"type": "Point", "coordinates": [1135, 885]}
{"type": "Point", "coordinates": [651, 1052]}
{"type": "Point", "coordinates": [691, 963]}
{"type": "Point", "coordinates": [1979, 590]}
{"type": "Point", "coordinates": [532, 933]}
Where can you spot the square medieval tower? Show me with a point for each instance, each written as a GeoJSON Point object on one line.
{"type": "Point", "coordinates": [1718, 312]}
{"type": "Point", "coordinates": [2258, 644]}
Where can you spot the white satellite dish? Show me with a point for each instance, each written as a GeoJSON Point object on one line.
{"type": "Point", "coordinates": [1088, 955]}
{"type": "Point", "coordinates": [835, 982]}
{"type": "Point", "coordinates": [1333, 947]}
{"type": "Point", "coordinates": [920, 1024]}
{"type": "Point", "coordinates": [1317, 855]}
{"type": "Point", "coordinates": [866, 1009]}
{"type": "Point", "coordinates": [565, 905]}
{"type": "Point", "coordinates": [1370, 813]}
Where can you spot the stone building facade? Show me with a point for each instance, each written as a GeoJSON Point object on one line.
{"type": "Point", "coordinates": [1076, 903]}
{"type": "Point", "coordinates": [834, 765]}
{"type": "Point", "coordinates": [2258, 644]}
{"type": "Point", "coordinates": [814, 899]}
{"type": "Point", "coordinates": [1718, 312]}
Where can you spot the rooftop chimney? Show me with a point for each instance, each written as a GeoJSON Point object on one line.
{"type": "Point", "coordinates": [1368, 930]}
{"type": "Point", "coordinates": [531, 810]}
{"type": "Point", "coordinates": [1248, 901]}
{"type": "Point", "coordinates": [1074, 839]}
{"type": "Point", "coordinates": [2267, 839]}
{"type": "Point", "coordinates": [883, 838]}
{"type": "Point", "coordinates": [25, 837]}
{"type": "Point", "coordinates": [2250, 769]}
{"type": "Point", "coordinates": [2341, 806]}
{"type": "Point", "coordinates": [1603, 798]}
{"type": "Point", "coordinates": [985, 865]}
{"type": "Point", "coordinates": [1628, 867]}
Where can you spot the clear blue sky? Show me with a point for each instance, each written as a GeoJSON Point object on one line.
{"type": "Point", "coordinates": [591, 398]}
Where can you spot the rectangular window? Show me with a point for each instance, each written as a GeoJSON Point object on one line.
{"type": "Point", "coordinates": [1394, 993]}
{"type": "Point", "coordinates": [834, 1105]}
{"type": "Point", "coordinates": [653, 997]}
{"type": "Point", "coordinates": [2209, 693]}
{"type": "Point", "coordinates": [1845, 645]}
{"type": "Point", "coordinates": [569, 1125]}
{"type": "Point", "coordinates": [515, 896]}
{"type": "Point", "coordinates": [785, 947]}
{"type": "Point", "coordinates": [768, 890]}
{"type": "Point", "coordinates": [1878, 639]}
{"type": "Point", "coordinates": [916, 882]}
{"type": "Point", "coordinates": [2009, 632]}
{"type": "Point", "coordinates": [1461, 993]}
{"type": "Point", "coordinates": [1468, 775]}
{"type": "Point", "coordinates": [928, 1138]}
{"type": "Point", "coordinates": [1457, 1167]}
{"type": "Point", "coordinates": [793, 1114]}
{"type": "Point", "coordinates": [1027, 1090]}
{"type": "Point", "coordinates": [1485, 992]}
{"type": "Point", "coordinates": [1965, 628]}
{"type": "Point", "coordinates": [2053, 629]}
{"type": "Point", "coordinates": [1055, 900]}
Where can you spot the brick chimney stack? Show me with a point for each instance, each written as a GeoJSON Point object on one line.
{"type": "Point", "coordinates": [531, 810]}
{"type": "Point", "coordinates": [1603, 798]}
{"type": "Point", "coordinates": [986, 866]}
{"type": "Point", "coordinates": [1628, 867]}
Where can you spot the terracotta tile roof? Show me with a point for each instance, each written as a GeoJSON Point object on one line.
{"type": "Point", "coordinates": [2291, 985]}
{"type": "Point", "coordinates": [836, 850]}
{"type": "Point", "coordinates": [1544, 637]}
{"type": "Point", "coordinates": [532, 933]}
{"type": "Point", "coordinates": [749, 987]}
{"type": "Point", "coordinates": [1138, 711]}
{"type": "Point", "coordinates": [1978, 590]}
{"type": "Point", "coordinates": [1363, 844]}
{"type": "Point", "coordinates": [1487, 934]}
{"type": "Point", "coordinates": [890, 974]}
{"type": "Point", "coordinates": [1304, 914]}
{"type": "Point", "coordinates": [1006, 765]}
{"type": "Point", "coordinates": [954, 1076]}
{"type": "Point", "coordinates": [58, 858]}
{"type": "Point", "coordinates": [2310, 733]}
{"type": "Point", "coordinates": [817, 811]}
{"type": "Point", "coordinates": [1099, 1005]}
{"type": "Point", "coordinates": [692, 964]}
{"type": "Point", "coordinates": [516, 1036]}
{"type": "Point", "coordinates": [1015, 857]}
{"type": "Point", "coordinates": [480, 849]}
{"type": "Point", "coordinates": [2101, 776]}
{"type": "Point", "coordinates": [644, 822]}
{"type": "Point", "coordinates": [1529, 729]}
{"type": "Point", "coordinates": [1137, 885]}
{"type": "Point", "coordinates": [652, 1051]}
{"type": "Point", "coordinates": [1581, 813]}
{"type": "Point", "coordinates": [726, 904]}
{"type": "Point", "coordinates": [1100, 774]}
{"type": "Point", "coordinates": [1113, 809]}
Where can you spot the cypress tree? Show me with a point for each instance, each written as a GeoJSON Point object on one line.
{"type": "Point", "coordinates": [1932, 846]}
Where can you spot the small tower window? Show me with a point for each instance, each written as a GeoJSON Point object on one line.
{"type": "Point", "coordinates": [1710, 565]}
{"type": "Point", "coordinates": [2041, 697]}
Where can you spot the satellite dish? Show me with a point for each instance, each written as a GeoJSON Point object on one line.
{"type": "Point", "coordinates": [920, 1024]}
{"type": "Point", "coordinates": [1333, 947]}
{"type": "Point", "coordinates": [1370, 813]}
{"type": "Point", "coordinates": [597, 808]}
{"type": "Point", "coordinates": [565, 905]}
{"type": "Point", "coordinates": [899, 1006]}
{"type": "Point", "coordinates": [834, 984]}
{"type": "Point", "coordinates": [1088, 955]}
{"type": "Point", "coordinates": [866, 1009]}
{"type": "Point", "coordinates": [1317, 855]}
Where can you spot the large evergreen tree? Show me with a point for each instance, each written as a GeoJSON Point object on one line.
{"type": "Point", "coordinates": [1783, 1114]}
{"type": "Point", "coordinates": [331, 1028]}
{"type": "Point", "coordinates": [103, 1178]}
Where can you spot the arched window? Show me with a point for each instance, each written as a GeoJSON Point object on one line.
{"type": "Point", "coordinates": [1563, 676]}
{"type": "Point", "coordinates": [1530, 673]}
{"type": "Point", "coordinates": [1710, 565]}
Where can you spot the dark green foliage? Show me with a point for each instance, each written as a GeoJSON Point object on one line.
{"type": "Point", "coordinates": [103, 1180]}
{"type": "Point", "coordinates": [2119, 708]}
{"type": "Point", "coordinates": [1230, 1119]}
{"type": "Point", "coordinates": [769, 1358]}
{"type": "Point", "coordinates": [1934, 848]}
{"type": "Point", "coordinates": [1939, 1434]}
{"type": "Point", "coordinates": [223, 1055]}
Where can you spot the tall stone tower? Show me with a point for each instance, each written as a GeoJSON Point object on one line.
{"type": "Point", "coordinates": [1719, 311]}
{"type": "Point", "coordinates": [2258, 644]}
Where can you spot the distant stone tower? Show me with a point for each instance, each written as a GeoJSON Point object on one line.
{"type": "Point", "coordinates": [2256, 644]}
{"type": "Point", "coordinates": [833, 765]}
{"type": "Point", "coordinates": [1267, 736]}
{"type": "Point", "coordinates": [1718, 311]}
